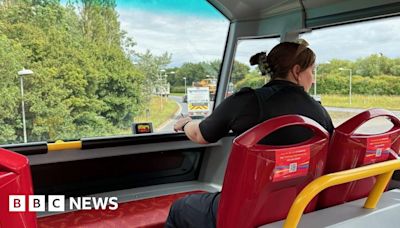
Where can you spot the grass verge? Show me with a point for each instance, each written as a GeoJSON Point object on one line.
{"type": "Point", "coordinates": [362, 101]}
{"type": "Point", "coordinates": [160, 110]}
{"type": "Point", "coordinates": [177, 94]}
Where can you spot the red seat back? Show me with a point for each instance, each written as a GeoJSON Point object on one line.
{"type": "Point", "coordinates": [262, 181]}
{"type": "Point", "coordinates": [15, 179]}
{"type": "Point", "coordinates": [350, 150]}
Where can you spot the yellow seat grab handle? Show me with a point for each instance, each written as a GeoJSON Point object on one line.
{"type": "Point", "coordinates": [384, 170]}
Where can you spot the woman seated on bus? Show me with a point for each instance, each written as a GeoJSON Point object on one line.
{"type": "Point", "coordinates": [290, 66]}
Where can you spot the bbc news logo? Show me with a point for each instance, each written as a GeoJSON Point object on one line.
{"type": "Point", "coordinates": [57, 203]}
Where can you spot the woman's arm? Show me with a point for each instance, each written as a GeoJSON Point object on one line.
{"type": "Point", "coordinates": [217, 125]}
{"type": "Point", "coordinates": [191, 129]}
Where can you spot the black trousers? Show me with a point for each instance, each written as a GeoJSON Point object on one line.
{"type": "Point", "coordinates": [194, 211]}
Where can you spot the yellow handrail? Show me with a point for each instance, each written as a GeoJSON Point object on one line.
{"type": "Point", "coordinates": [61, 145]}
{"type": "Point", "coordinates": [383, 169]}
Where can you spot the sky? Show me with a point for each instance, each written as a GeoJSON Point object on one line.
{"type": "Point", "coordinates": [183, 7]}
{"type": "Point", "coordinates": [349, 42]}
{"type": "Point", "coordinates": [354, 41]}
{"type": "Point", "coordinates": [193, 31]}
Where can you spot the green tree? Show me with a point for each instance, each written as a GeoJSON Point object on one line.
{"type": "Point", "coordinates": [151, 67]}
{"type": "Point", "coordinates": [99, 21]}
{"type": "Point", "coordinates": [333, 66]}
{"type": "Point", "coordinates": [198, 71]}
{"type": "Point", "coordinates": [83, 85]}
{"type": "Point", "coordinates": [12, 56]}
{"type": "Point", "coordinates": [192, 72]}
{"type": "Point", "coordinates": [239, 71]}
{"type": "Point", "coordinates": [376, 64]}
{"type": "Point", "coordinates": [252, 79]}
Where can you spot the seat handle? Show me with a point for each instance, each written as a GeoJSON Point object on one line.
{"type": "Point", "coordinates": [11, 161]}
{"type": "Point", "coordinates": [351, 125]}
{"type": "Point", "coordinates": [252, 136]}
{"type": "Point", "coordinates": [384, 170]}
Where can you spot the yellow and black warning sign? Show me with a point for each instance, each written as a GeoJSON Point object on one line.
{"type": "Point", "coordinates": [198, 107]}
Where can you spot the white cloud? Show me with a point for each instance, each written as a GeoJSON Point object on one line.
{"type": "Point", "coordinates": [349, 42]}
{"type": "Point", "coordinates": [194, 39]}
{"type": "Point", "coordinates": [188, 38]}
{"type": "Point", "coordinates": [354, 41]}
{"type": "Point", "coordinates": [247, 48]}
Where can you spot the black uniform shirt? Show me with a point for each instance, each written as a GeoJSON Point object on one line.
{"type": "Point", "coordinates": [245, 109]}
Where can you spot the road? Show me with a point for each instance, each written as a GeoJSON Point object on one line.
{"type": "Point", "coordinates": [374, 126]}
{"type": "Point", "coordinates": [168, 127]}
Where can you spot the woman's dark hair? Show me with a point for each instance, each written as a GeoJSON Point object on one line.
{"type": "Point", "coordinates": [282, 58]}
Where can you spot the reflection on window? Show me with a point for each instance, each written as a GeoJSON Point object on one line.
{"type": "Point", "coordinates": [358, 67]}
{"type": "Point", "coordinates": [74, 69]}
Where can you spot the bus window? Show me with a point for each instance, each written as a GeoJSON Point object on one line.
{"type": "Point", "coordinates": [244, 75]}
{"type": "Point", "coordinates": [358, 67]}
{"type": "Point", "coordinates": [74, 69]}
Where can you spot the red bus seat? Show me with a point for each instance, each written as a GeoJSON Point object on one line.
{"type": "Point", "coordinates": [262, 181]}
{"type": "Point", "coordinates": [350, 150]}
{"type": "Point", "coordinates": [15, 179]}
{"type": "Point", "coordinates": [146, 213]}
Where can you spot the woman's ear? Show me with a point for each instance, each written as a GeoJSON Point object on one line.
{"type": "Point", "coordinates": [296, 69]}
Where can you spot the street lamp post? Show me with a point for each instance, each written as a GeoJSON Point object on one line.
{"type": "Point", "coordinates": [350, 76]}
{"type": "Point", "coordinates": [184, 78]}
{"type": "Point", "coordinates": [22, 73]}
{"type": "Point", "coordinates": [160, 87]}
{"type": "Point", "coordinates": [165, 86]}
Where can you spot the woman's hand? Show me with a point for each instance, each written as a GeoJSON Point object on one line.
{"type": "Point", "coordinates": [178, 126]}
{"type": "Point", "coordinates": [191, 129]}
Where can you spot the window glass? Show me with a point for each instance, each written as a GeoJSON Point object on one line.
{"type": "Point", "coordinates": [74, 69]}
{"type": "Point", "coordinates": [244, 75]}
{"type": "Point", "coordinates": [358, 67]}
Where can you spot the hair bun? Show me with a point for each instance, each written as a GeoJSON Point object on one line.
{"type": "Point", "coordinates": [260, 59]}
{"type": "Point", "coordinates": [255, 59]}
